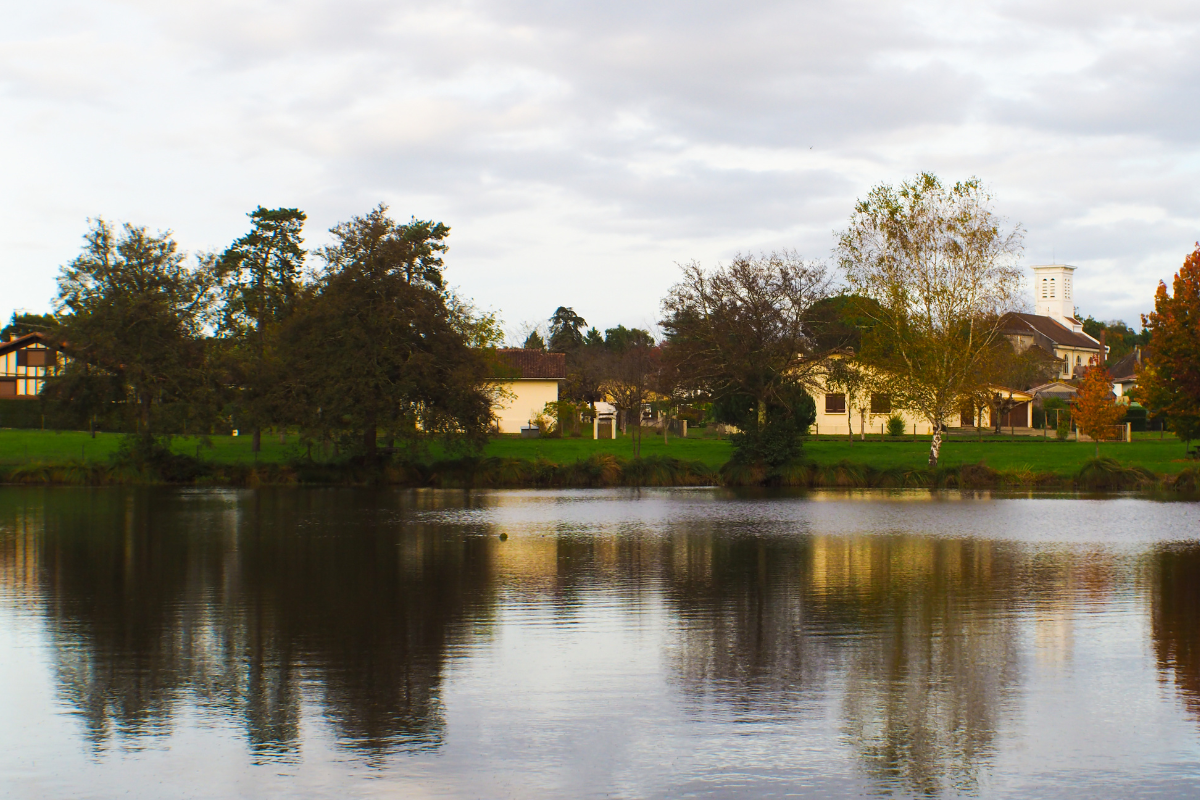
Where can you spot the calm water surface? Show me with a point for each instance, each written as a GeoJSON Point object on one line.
{"type": "Point", "coordinates": [675, 643]}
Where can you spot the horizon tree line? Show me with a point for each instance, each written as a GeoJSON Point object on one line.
{"type": "Point", "coordinates": [369, 343]}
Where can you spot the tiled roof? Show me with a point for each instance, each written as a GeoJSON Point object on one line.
{"type": "Point", "coordinates": [537, 364]}
{"type": "Point", "coordinates": [1125, 369]}
{"type": "Point", "coordinates": [24, 341]}
{"type": "Point", "coordinates": [1015, 322]}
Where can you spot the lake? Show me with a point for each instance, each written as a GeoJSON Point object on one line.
{"type": "Point", "coordinates": [195, 643]}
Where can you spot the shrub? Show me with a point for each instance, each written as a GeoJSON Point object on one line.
{"type": "Point", "coordinates": [895, 426]}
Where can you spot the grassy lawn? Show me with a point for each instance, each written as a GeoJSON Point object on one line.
{"type": "Point", "coordinates": [1002, 453]}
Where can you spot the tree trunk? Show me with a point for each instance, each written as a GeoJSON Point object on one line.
{"type": "Point", "coordinates": [850, 422]}
{"type": "Point", "coordinates": [762, 414]}
{"type": "Point", "coordinates": [666, 427]}
{"type": "Point", "coordinates": [144, 415]}
{"type": "Point", "coordinates": [256, 441]}
{"type": "Point", "coordinates": [935, 448]}
{"type": "Point", "coordinates": [370, 436]}
{"type": "Point", "coordinates": [862, 423]}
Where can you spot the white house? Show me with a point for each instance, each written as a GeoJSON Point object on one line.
{"type": "Point", "coordinates": [1053, 327]}
{"type": "Point", "coordinates": [529, 379]}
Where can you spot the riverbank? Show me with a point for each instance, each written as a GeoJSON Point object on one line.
{"type": "Point", "coordinates": [37, 457]}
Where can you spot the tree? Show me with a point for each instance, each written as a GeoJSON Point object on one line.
{"type": "Point", "coordinates": [566, 330]}
{"type": "Point", "coordinates": [939, 269]}
{"type": "Point", "coordinates": [1094, 406]}
{"type": "Point", "coordinates": [742, 336]}
{"type": "Point", "coordinates": [376, 343]}
{"type": "Point", "coordinates": [23, 324]}
{"type": "Point", "coordinates": [629, 380]}
{"type": "Point", "coordinates": [260, 276]}
{"type": "Point", "coordinates": [846, 374]}
{"type": "Point", "coordinates": [1169, 383]}
{"type": "Point", "coordinates": [534, 341]}
{"type": "Point", "coordinates": [131, 309]}
{"type": "Point", "coordinates": [620, 338]}
{"type": "Point", "coordinates": [1118, 336]}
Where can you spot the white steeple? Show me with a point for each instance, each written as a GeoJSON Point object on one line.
{"type": "Point", "coordinates": [1053, 296]}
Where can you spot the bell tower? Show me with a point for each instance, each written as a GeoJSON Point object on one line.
{"type": "Point", "coordinates": [1053, 294]}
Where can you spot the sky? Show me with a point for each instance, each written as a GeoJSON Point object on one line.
{"type": "Point", "coordinates": [580, 151]}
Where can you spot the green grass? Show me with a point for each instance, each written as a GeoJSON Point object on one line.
{"type": "Point", "coordinates": [1162, 456]}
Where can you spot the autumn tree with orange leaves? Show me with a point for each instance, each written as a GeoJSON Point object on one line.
{"type": "Point", "coordinates": [1095, 408]}
{"type": "Point", "coordinates": [1169, 384]}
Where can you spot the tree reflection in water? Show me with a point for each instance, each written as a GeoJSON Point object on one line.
{"type": "Point", "coordinates": [912, 627]}
{"type": "Point", "coordinates": [237, 606]}
{"type": "Point", "coordinates": [1175, 609]}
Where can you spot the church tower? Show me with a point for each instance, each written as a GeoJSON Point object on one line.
{"type": "Point", "coordinates": [1053, 296]}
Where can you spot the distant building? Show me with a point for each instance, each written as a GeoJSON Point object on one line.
{"type": "Point", "coordinates": [25, 363]}
{"type": "Point", "coordinates": [530, 380]}
{"type": "Point", "coordinates": [1053, 328]}
{"type": "Point", "coordinates": [1124, 372]}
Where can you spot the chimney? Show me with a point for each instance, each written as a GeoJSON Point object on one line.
{"type": "Point", "coordinates": [1103, 349]}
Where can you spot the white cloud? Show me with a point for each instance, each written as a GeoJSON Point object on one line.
{"type": "Point", "coordinates": [579, 150]}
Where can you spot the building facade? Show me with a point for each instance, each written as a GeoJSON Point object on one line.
{"type": "Point", "coordinates": [25, 363]}
{"type": "Point", "coordinates": [528, 380]}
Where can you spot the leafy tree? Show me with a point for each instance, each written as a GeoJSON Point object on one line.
{"type": "Point", "coordinates": [132, 310]}
{"type": "Point", "coordinates": [534, 341]}
{"type": "Point", "coordinates": [1094, 407]}
{"type": "Point", "coordinates": [22, 324]}
{"type": "Point", "coordinates": [845, 374]}
{"type": "Point", "coordinates": [1169, 383]}
{"type": "Point", "coordinates": [1117, 336]}
{"type": "Point", "coordinates": [374, 345]}
{"type": "Point", "coordinates": [566, 330]}
{"type": "Point", "coordinates": [939, 269]}
{"type": "Point", "coordinates": [620, 338]}
{"type": "Point", "coordinates": [260, 278]}
{"type": "Point", "coordinates": [742, 335]}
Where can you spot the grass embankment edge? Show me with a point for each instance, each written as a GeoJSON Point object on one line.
{"type": "Point", "coordinates": [598, 471]}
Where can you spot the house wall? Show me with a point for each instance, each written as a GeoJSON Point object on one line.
{"type": "Point", "coordinates": [28, 380]}
{"type": "Point", "coordinates": [528, 398]}
{"type": "Point", "coordinates": [1077, 360]}
{"type": "Point", "coordinates": [830, 423]}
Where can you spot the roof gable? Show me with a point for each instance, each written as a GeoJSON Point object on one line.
{"type": "Point", "coordinates": [21, 342]}
{"type": "Point", "coordinates": [1052, 329]}
{"type": "Point", "coordinates": [532, 364]}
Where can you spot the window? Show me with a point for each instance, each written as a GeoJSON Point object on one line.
{"type": "Point", "coordinates": [8, 387]}
{"type": "Point", "coordinates": [881, 404]}
{"type": "Point", "coordinates": [36, 358]}
{"type": "Point", "coordinates": [1067, 288]}
{"type": "Point", "coordinates": [835, 404]}
{"type": "Point", "coordinates": [1045, 288]}
{"type": "Point", "coordinates": [1052, 287]}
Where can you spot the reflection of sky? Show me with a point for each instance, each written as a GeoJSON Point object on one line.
{"type": "Point", "coordinates": [577, 695]}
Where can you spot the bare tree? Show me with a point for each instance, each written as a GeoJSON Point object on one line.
{"type": "Point", "coordinates": [941, 268]}
{"type": "Point", "coordinates": [630, 376]}
{"type": "Point", "coordinates": [742, 335]}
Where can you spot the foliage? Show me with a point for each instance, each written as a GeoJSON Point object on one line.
{"type": "Point", "coordinates": [566, 330]}
{"type": "Point", "coordinates": [260, 277]}
{"type": "Point", "coordinates": [534, 341]}
{"type": "Point", "coordinates": [939, 269]}
{"type": "Point", "coordinates": [22, 324]}
{"type": "Point", "coordinates": [1094, 408]}
{"type": "Point", "coordinates": [743, 336]}
{"type": "Point", "coordinates": [895, 426]}
{"type": "Point", "coordinates": [1118, 336]}
{"type": "Point", "coordinates": [132, 315]}
{"type": "Point", "coordinates": [1170, 381]}
{"type": "Point", "coordinates": [373, 345]}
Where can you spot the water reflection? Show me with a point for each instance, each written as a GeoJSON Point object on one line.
{"type": "Point", "coordinates": [1176, 621]}
{"type": "Point", "coordinates": [277, 610]}
{"type": "Point", "coordinates": [235, 602]}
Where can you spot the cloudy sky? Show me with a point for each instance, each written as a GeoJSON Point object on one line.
{"type": "Point", "coordinates": [579, 150]}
